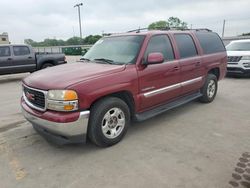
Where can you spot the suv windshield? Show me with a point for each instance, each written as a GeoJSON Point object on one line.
{"type": "Point", "coordinates": [116, 50]}
{"type": "Point", "coordinates": [239, 46]}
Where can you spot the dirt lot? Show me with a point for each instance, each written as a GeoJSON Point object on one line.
{"type": "Point", "coordinates": [195, 145]}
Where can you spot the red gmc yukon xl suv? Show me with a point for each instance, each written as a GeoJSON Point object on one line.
{"type": "Point", "coordinates": [123, 77]}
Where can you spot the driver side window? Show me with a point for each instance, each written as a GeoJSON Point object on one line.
{"type": "Point", "coordinates": [162, 44]}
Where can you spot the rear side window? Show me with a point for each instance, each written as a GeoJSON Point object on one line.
{"type": "Point", "coordinates": [162, 44]}
{"type": "Point", "coordinates": [21, 50]}
{"type": "Point", "coordinates": [4, 51]}
{"type": "Point", "coordinates": [210, 42]}
{"type": "Point", "coordinates": [186, 45]}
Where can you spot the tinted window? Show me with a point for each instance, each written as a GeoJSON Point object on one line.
{"type": "Point", "coordinates": [239, 46]}
{"type": "Point", "coordinates": [21, 50]}
{"type": "Point", "coordinates": [4, 51]}
{"type": "Point", "coordinates": [162, 44]}
{"type": "Point", "coordinates": [210, 42]}
{"type": "Point", "coordinates": [185, 45]}
{"type": "Point", "coordinates": [119, 49]}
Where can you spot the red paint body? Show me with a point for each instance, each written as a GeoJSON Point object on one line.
{"type": "Point", "coordinates": [93, 81]}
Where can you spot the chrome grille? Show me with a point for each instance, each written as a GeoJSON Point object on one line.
{"type": "Point", "coordinates": [234, 58]}
{"type": "Point", "coordinates": [34, 98]}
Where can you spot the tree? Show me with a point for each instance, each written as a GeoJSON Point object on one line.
{"type": "Point", "coordinates": [245, 34]}
{"type": "Point", "coordinates": [158, 25]}
{"type": "Point", "coordinates": [172, 22]}
{"type": "Point", "coordinates": [175, 22]}
{"type": "Point", "coordinates": [91, 39]}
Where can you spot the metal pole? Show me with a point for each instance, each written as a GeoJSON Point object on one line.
{"type": "Point", "coordinates": [80, 24]}
{"type": "Point", "coordinates": [223, 28]}
{"type": "Point", "coordinates": [79, 14]}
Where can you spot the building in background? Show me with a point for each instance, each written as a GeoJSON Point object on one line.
{"type": "Point", "coordinates": [4, 38]}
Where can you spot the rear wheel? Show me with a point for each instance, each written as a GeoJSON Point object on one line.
{"type": "Point", "coordinates": [209, 90]}
{"type": "Point", "coordinates": [109, 121]}
{"type": "Point", "coordinates": [47, 65]}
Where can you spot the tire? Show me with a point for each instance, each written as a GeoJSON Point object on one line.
{"type": "Point", "coordinates": [209, 89]}
{"type": "Point", "coordinates": [47, 65]}
{"type": "Point", "coordinates": [104, 128]}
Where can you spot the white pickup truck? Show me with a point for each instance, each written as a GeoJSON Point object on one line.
{"type": "Point", "coordinates": [238, 57]}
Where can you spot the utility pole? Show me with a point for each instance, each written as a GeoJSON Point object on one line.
{"type": "Point", "coordinates": [223, 28]}
{"type": "Point", "coordinates": [79, 14]}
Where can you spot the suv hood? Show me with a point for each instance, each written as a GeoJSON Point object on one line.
{"type": "Point", "coordinates": [238, 53]}
{"type": "Point", "coordinates": [61, 77]}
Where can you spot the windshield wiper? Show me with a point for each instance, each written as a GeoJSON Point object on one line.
{"type": "Point", "coordinates": [109, 61]}
{"type": "Point", "coordinates": [84, 59]}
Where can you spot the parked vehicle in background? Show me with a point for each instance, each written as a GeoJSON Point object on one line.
{"type": "Point", "coordinates": [22, 58]}
{"type": "Point", "coordinates": [238, 57]}
{"type": "Point", "coordinates": [130, 76]}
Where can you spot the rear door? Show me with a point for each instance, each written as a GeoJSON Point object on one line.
{"type": "Point", "coordinates": [5, 60]}
{"type": "Point", "coordinates": [192, 71]}
{"type": "Point", "coordinates": [159, 82]}
{"type": "Point", "coordinates": [23, 59]}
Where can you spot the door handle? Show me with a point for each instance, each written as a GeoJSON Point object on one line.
{"type": "Point", "coordinates": [29, 57]}
{"type": "Point", "coordinates": [197, 64]}
{"type": "Point", "coordinates": [9, 59]}
{"type": "Point", "coordinates": [175, 68]}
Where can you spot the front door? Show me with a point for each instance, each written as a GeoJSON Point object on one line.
{"type": "Point", "coordinates": [5, 60]}
{"type": "Point", "coordinates": [23, 59]}
{"type": "Point", "coordinates": [159, 83]}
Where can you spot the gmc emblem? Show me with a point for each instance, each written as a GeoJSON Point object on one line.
{"type": "Point", "coordinates": [30, 96]}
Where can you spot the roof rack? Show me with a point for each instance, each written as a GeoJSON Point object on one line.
{"type": "Point", "coordinates": [169, 29]}
{"type": "Point", "coordinates": [138, 30]}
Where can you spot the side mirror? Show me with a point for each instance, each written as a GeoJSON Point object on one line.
{"type": "Point", "coordinates": [155, 58]}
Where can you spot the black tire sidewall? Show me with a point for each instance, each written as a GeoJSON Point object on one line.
{"type": "Point", "coordinates": [205, 97]}
{"type": "Point", "coordinates": [46, 65]}
{"type": "Point", "coordinates": [96, 117]}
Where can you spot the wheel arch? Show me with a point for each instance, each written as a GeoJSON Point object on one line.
{"type": "Point", "coordinates": [215, 71]}
{"type": "Point", "coordinates": [124, 95]}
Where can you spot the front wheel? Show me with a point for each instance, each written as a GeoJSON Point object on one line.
{"type": "Point", "coordinates": [109, 121]}
{"type": "Point", "coordinates": [47, 65]}
{"type": "Point", "coordinates": [209, 90]}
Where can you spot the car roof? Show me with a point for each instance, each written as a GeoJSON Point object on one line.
{"type": "Point", "coordinates": [155, 32]}
{"type": "Point", "coordinates": [242, 40]}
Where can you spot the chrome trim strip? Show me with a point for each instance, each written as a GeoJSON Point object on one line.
{"type": "Point", "coordinates": [191, 81]}
{"type": "Point", "coordinates": [33, 106]}
{"type": "Point", "coordinates": [161, 90]}
{"type": "Point", "coordinates": [171, 87]}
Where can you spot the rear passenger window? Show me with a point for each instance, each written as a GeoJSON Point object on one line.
{"type": "Point", "coordinates": [162, 44]}
{"type": "Point", "coordinates": [4, 51]}
{"type": "Point", "coordinates": [210, 42]}
{"type": "Point", "coordinates": [185, 45]}
{"type": "Point", "coordinates": [21, 50]}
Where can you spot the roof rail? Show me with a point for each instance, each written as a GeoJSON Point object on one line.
{"type": "Point", "coordinates": [138, 30]}
{"type": "Point", "coordinates": [169, 29]}
{"type": "Point", "coordinates": [203, 29]}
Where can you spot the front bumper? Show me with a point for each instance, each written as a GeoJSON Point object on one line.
{"type": "Point", "coordinates": [238, 71]}
{"type": "Point", "coordinates": [238, 68]}
{"type": "Point", "coordinates": [59, 132]}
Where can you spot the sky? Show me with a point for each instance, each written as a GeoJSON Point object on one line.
{"type": "Point", "coordinates": [40, 19]}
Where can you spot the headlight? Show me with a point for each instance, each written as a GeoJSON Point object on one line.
{"type": "Point", "coordinates": [245, 58]}
{"type": "Point", "coordinates": [62, 100]}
